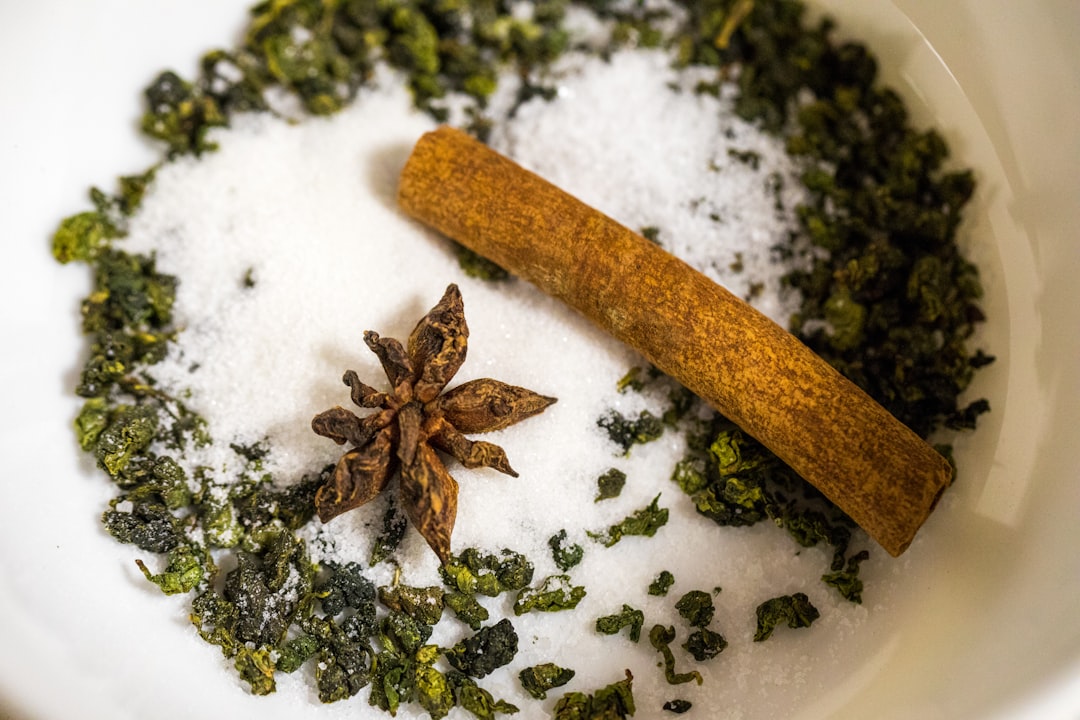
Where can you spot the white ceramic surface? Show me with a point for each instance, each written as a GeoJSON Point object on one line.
{"type": "Point", "coordinates": [988, 626]}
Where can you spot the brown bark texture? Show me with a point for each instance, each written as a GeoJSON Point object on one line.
{"type": "Point", "coordinates": [883, 475]}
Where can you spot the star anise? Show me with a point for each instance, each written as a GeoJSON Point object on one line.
{"type": "Point", "coordinates": [416, 418]}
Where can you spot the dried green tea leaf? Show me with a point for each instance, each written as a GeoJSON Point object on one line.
{"type": "Point", "coordinates": [344, 586]}
{"type": "Point", "coordinates": [627, 617]}
{"type": "Point", "coordinates": [474, 572]}
{"type": "Point", "coordinates": [183, 573]}
{"type": "Point", "coordinates": [393, 530]}
{"type": "Point", "coordinates": [661, 637]}
{"type": "Point", "coordinates": [475, 699]}
{"type": "Point", "coordinates": [610, 484]}
{"type": "Point", "coordinates": [467, 608]}
{"type": "Point", "coordinates": [613, 702]}
{"type": "Point", "coordinates": [556, 593]}
{"type": "Point", "coordinates": [704, 644]}
{"type": "Point", "coordinates": [795, 611]}
{"type": "Point", "coordinates": [847, 581]}
{"type": "Point", "coordinates": [696, 607]}
{"type": "Point", "coordinates": [662, 583]}
{"type": "Point", "coordinates": [538, 679]}
{"type": "Point", "coordinates": [565, 555]}
{"type": "Point", "coordinates": [677, 706]}
{"type": "Point", "coordinates": [147, 525]}
{"type": "Point", "coordinates": [626, 433]}
{"type": "Point", "coordinates": [424, 605]}
{"type": "Point", "coordinates": [645, 521]}
{"type": "Point", "coordinates": [490, 648]}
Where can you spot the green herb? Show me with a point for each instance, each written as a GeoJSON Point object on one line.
{"type": "Point", "coordinates": [186, 571]}
{"type": "Point", "coordinates": [662, 583]}
{"type": "Point", "coordinates": [538, 679]}
{"type": "Point", "coordinates": [403, 662]}
{"type": "Point", "coordinates": [424, 605]}
{"type": "Point", "coordinates": [704, 644]}
{"type": "Point", "coordinates": [627, 617]}
{"type": "Point", "coordinates": [677, 706]}
{"type": "Point", "coordinates": [467, 608]}
{"type": "Point", "coordinates": [345, 658]}
{"type": "Point", "coordinates": [610, 484]}
{"type": "Point", "coordinates": [847, 581]}
{"type": "Point", "coordinates": [661, 637]}
{"type": "Point", "coordinates": [342, 588]}
{"type": "Point", "coordinates": [556, 593]}
{"type": "Point", "coordinates": [696, 607]}
{"type": "Point", "coordinates": [393, 530]}
{"type": "Point", "coordinates": [613, 702]}
{"type": "Point", "coordinates": [266, 592]}
{"type": "Point", "coordinates": [632, 380]}
{"type": "Point", "coordinates": [476, 699]}
{"type": "Point", "coordinates": [734, 480]}
{"type": "Point", "coordinates": [490, 648]}
{"type": "Point", "coordinates": [565, 556]}
{"type": "Point", "coordinates": [794, 610]}
{"type": "Point", "coordinates": [651, 233]}
{"type": "Point", "coordinates": [626, 433]}
{"type": "Point", "coordinates": [473, 572]}
{"type": "Point", "coordinates": [478, 266]}
{"type": "Point", "coordinates": [645, 521]}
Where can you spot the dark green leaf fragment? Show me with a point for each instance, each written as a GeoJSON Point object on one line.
{"type": "Point", "coordinates": [626, 433]}
{"type": "Point", "coordinates": [477, 266]}
{"type": "Point", "coordinates": [538, 679]}
{"type": "Point", "coordinates": [704, 644]}
{"type": "Point", "coordinates": [474, 572]}
{"type": "Point", "coordinates": [130, 431]}
{"type": "Point", "coordinates": [266, 588]}
{"type": "Point", "coordinates": [565, 555]}
{"type": "Point", "coordinates": [183, 573]}
{"type": "Point", "coordinates": [627, 617]}
{"type": "Point", "coordinates": [81, 237]}
{"type": "Point", "coordinates": [475, 699]}
{"type": "Point", "coordinates": [148, 525]}
{"type": "Point", "coordinates": [402, 634]}
{"type": "Point", "coordinates": [795, 611]}
{"type": "Point", "coordinates": [344, 664]}
{"type": "Point", "coordinates": [645, 521]}
{"type": "Point", "coordinates": [393, 530]}
{"type": "Point", "coordinates": [424, 605]}
{"type": "Point", "coordinates": [696, 607]}
{"type": "Point", "coordinates": [677, 706]}
{"type": "Point", "coordinates": [651, 233]}
{"type": "Point", "coordinates": [181, 115]}
{"type": "Point", "coordinates": [294, 653]}
{"type": "Point", "coordinates": [344, 587]}
{"type": "Point", "coordinates": [490, 648]}
{"type": "Point", "coordinates": [662, 583]}
{"type": "Point", "coordinates": [467, 608]}
{"type": "Point", "coordinates": [661, 637]}
{"type": "Point", "coordinates": [613, 702]}
{"type": "Point", "coordinates": [847, 581]}
{"type": "Point", "coordinates": [556, 593]}
{"type": "Point", "coordinates": [610, 484]}
{"type": "Point", "coordinates": [256, 668]}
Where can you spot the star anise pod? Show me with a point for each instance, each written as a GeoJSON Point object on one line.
{"type": "Point", "coordinates": [416, 418]}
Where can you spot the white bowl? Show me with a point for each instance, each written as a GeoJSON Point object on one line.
{"type": "Point", "coordinates": [987, 622]}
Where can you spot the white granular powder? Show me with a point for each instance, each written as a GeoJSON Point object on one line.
{"type": "Point", "coordinates": [306, 213]}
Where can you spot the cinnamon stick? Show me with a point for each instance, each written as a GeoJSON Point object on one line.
{"type": "Point", "coordinates": [883, 475]}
